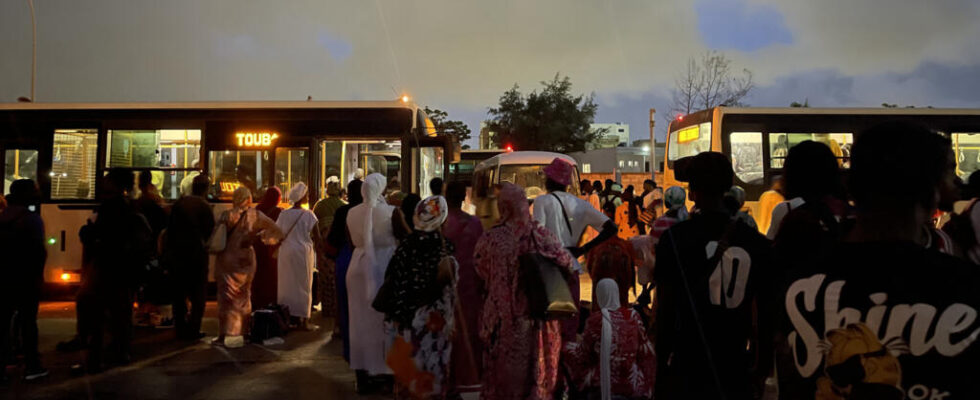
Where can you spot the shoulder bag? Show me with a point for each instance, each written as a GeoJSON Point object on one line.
{"type": "Point", "coordinates": [548, 295]}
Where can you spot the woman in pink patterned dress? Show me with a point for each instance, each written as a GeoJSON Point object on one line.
{"type": "Point", "coordinates": [521, 354]}
{"type": "Point", "coordinates": [614, 359]}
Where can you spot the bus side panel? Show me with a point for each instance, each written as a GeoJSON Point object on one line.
{"type": "Point", "coordinates": [62, 223]}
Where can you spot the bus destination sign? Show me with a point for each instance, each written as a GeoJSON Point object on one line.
{"type": "Point", "coordinates": [256, 139]}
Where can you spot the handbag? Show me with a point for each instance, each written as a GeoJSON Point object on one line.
{"type": "Point", "coordinates": [219, 236]}
{"type": "Point", "coordinates": [548, 296]}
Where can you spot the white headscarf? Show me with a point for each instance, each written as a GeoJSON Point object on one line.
{"type": "Point", "coordinates": [297, 193]}
{"type": "Point", "coordinates": [372, 190]}
{"type": "Point", "coordinates": [607, 296]}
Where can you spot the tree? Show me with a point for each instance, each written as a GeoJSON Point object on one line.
{"type": "Point", "coordinates": [450, 127]}
{"type": "Point", "coordinates": [551, 120]}
{"type": "Point", "coordinates": [804, 104]}
{"type": "Point", "coordinates": [708, 82]}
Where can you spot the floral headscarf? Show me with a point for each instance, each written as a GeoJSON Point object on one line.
{"type": "Point", "coordinates": [412, 275]}
{"type": "Point", "coordinates": [430, 214]}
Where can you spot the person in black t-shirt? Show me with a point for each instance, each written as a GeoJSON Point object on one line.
{"type": "Point", "coordinates": [880, 316]}
{"type": "Point", "coordinates": [711, 274]}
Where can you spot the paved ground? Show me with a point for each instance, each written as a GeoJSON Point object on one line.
{"type": "Point", "coordinates": [307, 366]}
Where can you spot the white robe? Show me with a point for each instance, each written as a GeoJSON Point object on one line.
{"type": "Point", "coordinates": [369, 341]}
{"type": "Point", "coordinates": [297, 261]}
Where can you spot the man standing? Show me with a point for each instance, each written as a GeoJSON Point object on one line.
{"type": "Point", "coordinates": [22, 275]}
{"type": "Point", "coordinates": [651, 199]}
{"type": "Point", "coordinates": [712, 272]}
{"type": "Point", "coordinates": [122, 243]}
{"type": "Point", "coordinates": [881, 316]}
{"type": "Point", "coordinates": [567, 216]}
{"type": "Point", "coordinates": [186, 256]}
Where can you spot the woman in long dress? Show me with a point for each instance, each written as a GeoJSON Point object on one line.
{"type": "Point", "coordinates": [235, 266]}
{"type": "Point", "coordinates": [338, 238]}
{"type": "Point", "coordinates": [297, 258]}
{"type": "Point", "coordinates": [372, 234]}
{"type": "Point", "coordinates": [420, 305]}
{"type": "Point", "coordinates": [265, 286]}
{"type": "Point", "coordinates": [521, 354]}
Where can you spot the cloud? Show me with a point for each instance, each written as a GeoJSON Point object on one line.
{"type": "Point", "coordinates": [738, 25]}
{"type": "Point", "coordinates": [460, 56]}
{"type": "Point", "coordinates": [338, 48]}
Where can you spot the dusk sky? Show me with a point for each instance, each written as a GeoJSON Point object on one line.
{"type": "Point", "coordinates": [460, 56]}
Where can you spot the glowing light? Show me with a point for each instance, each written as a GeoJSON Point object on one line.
{"type": "Point", "coordinates": [52, 241]}
{"type": "Point", "coordinates": [688, 134]}
{"type": "Point", "coordinates": [680, 117]}
{"type": "Point", "coordinates": [66, 277]}
{"type": "Point", "coordinates": [229, 187]}
{"type": "Point", "coordinates": [405, 98]}
{"type": "Point", "coordinates": [646, 148]}
{"type": "Point", "coordinates": [509, 148]}
{"type": "Point", "coordinates": [256, 139]}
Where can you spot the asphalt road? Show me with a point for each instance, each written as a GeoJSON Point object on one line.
{"type": "Point", "coordinates": [308, 366]}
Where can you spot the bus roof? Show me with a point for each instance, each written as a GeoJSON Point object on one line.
{"type": "Point", "coordinates": [849, 111]}
{"type": "Point", "coordinates": [523, 158]}
{"type": "Point", "coordinates": [215, 105]}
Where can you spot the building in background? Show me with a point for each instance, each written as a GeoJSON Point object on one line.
{"type": "Point", "coordinates": [616, 135]}
{"type": "Point", "coordinates": [616, 159]}
{"type": "Point", "coordinates": [486, 137]}
{"type": "Point", "coordinates": [660, 151]}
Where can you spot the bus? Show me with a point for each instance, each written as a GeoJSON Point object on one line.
{"type": "Point", "coordinates": [757, 139]}
{"type": "Point", "coordinates": [523, 168]}
{"type": "Point", "coordinates": [67, 147]}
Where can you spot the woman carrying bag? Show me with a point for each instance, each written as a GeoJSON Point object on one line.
{"type": "Point", "coordinates": [418, 298]}
{"type": "Point", "coordinates": [521, 352]}
{"type": "Point", "coordinates": [235, 264]}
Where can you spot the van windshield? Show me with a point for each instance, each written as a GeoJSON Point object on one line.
{"type": "Point", "coordinates": [531, 178]}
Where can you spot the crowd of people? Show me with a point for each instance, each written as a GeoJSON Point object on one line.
{"type": "Point", "coordinates": [864, 286]}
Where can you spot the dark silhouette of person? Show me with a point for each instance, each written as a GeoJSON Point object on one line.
{"type": "Point", "coordinates": [122, 242]}
{"type": "Point", "coordinates": [22, 275]}
{"type": "Point", "coordinates": [186, 256]}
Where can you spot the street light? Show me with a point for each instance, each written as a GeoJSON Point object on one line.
{"type": "Point", "coordinates": [30, 3]}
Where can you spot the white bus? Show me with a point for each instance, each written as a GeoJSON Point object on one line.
{"type": "Point", "coordinates": [523, 168]}
{"type": "Point", "coordinates": [66, 147]}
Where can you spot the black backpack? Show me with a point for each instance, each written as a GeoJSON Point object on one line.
{"type": "Point", "coordinates": [269, 322]}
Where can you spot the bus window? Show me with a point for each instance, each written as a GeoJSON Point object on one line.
{"type": "Point", "coordinates": [839, 143]}
{"type": "Point", "coordinates": [966, 146]}
{"type": "Point", "coordinates": [19, 164]}
{"type": "Point", "coordinates": [73, 164]}
{"type": "Point", "coordinates": [689, 141]}
{"type": "Point", "coordinates": [746, 154]}
{"type": "Point", "coordinates": [292, 166]}
{"type": "Point", "coordinates": [171, 155]}
{"type": "Point", "coordinates": [230, 169]}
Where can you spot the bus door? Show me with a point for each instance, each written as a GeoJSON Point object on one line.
{"type": "Point", "coordinates": [342, 160]}
{"type": "Point", "coordinates": [425, 159]}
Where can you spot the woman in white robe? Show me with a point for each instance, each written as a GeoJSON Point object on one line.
{"type": "Point", "coordinates": [371, 232]}
{"type": "Point", "coordinates": [297, 258]}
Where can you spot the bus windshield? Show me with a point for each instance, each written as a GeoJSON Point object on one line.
{"type": "Point", "coordinates": [531, 178]}
{"type": "Point", "coordinates": [689, 141]}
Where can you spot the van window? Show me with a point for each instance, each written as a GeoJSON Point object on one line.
{"type": "Point", "coordinates": [966, 146]}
